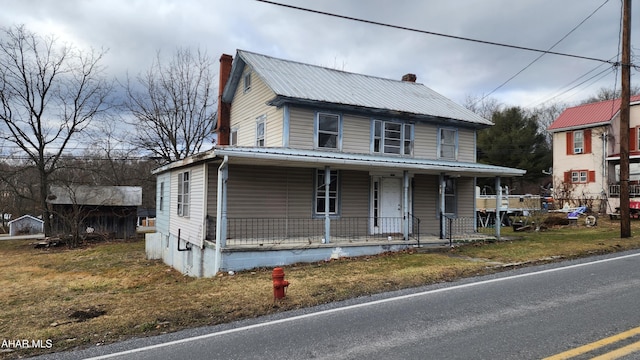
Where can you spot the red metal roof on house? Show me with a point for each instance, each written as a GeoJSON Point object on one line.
{"type": "Point", "coordinates": [588, 114]}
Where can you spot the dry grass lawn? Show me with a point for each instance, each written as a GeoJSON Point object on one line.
{"type": "Point", "coordinates": [106, 292]}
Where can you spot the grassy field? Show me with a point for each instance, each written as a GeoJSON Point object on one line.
{"type": "Point", "coordinates": [102, 293]}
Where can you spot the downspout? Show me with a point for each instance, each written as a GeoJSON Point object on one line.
{"type": "Point", "coordinates": [405, 210]}
{"type": "Point", "coordinates": [327, 219]}
{"type": "Point", "coordinates": [498, 223]}
{"type": "Point", "coordinates": [221, 213]}
{"type": "Point", "coordinates": [203, 234]}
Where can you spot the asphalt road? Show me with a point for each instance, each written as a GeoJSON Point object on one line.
{"type": "Point", "coordinates": [528, 313]}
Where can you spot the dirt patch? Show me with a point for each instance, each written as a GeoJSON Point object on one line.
{"type": "Point", "coordinates": [86, 314]}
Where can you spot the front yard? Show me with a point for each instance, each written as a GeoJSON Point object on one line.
{"type": "Point", "coordinates": [106, 292]}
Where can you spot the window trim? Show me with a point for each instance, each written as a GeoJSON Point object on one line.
{"type": "Point", "coordinates": [246, 82]}
{"type": "Point", "coordinates": [578, 149]}
{"type": "Point", "coordinates": [261, 140]}
{"type": "Point", "coordinates": [378, 141]}
{"type": "Point", "coordinates": [317, 131]}
{"type": "Point", "coordinates": [316, 193]}
{"type": "Point", "coordinates": [440, 143]}
{"type": "Point", "coordinates": [183, 195]}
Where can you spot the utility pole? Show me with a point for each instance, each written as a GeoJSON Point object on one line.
{"type": "Point", "coordinates": [625, 219]}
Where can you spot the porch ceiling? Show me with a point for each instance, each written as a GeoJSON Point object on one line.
{"type": "Point", "coordinates": [363, 162]}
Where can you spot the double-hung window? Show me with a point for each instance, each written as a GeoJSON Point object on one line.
{"type": "Point", "coordinates": [320, 193]}
{"type": "Point", "coordinates": [578, 142]}
{"type": "Point", "coordinates": [447, 143]}
{"type": "Point", "coordinates": [183, 194]}
{"type": "Point", "coordinates": [392, 138]}
{"type": "Point", "coordinates": [328, 131]}
{"type": "Point", "coordinates": [260, 130]}
{"type": "Point", "coordinates": [247, 82]}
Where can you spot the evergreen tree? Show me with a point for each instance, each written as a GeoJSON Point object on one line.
{"type": "Point", "coordinates": [515, 140]}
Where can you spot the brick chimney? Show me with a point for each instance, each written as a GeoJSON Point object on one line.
{"type": "Point", "coordinates": [409, 77]}
{"type": "Point", "coordinates": [224, 109]}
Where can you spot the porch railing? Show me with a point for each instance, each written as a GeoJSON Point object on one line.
{"type": "Point", "coordinates": [274, 231]}
{"type": "Point", "coordinates": [614, 190]}
{"type": "Point", "coordinates": [457, 228]}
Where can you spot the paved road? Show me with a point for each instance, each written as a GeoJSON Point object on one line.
{"type": "Point", "coordinates": [527, 313]}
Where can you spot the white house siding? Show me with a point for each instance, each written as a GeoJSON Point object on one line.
{"type": "Point", "coordinates": [594, 161]}
{"type": "Point", "coordinates": [162, 213]}
{"type": "Point", "coordinates": [191, 227]}
{"type": "Point", "coordinates": [425, 206]}
{"type": "Point", "coordinates": [425, 141]}
{"type": "Point", "coordinates": [466, 196]}
{"type": "Point", "coordinates": [248, 106]}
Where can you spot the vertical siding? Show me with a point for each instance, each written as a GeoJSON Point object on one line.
{"type": "Point", "coordinates": [356, 134]}
{"type": "Point", "coordinates": [301, 122]}
{"type": "Point", "coordinates": [425, 198]}
{"type": "Point", "coordinates": [191, 227]}
{"type": "Point", "coordinates": [354, 193]}
{"type": "Point", "coordinates": [246, 107]}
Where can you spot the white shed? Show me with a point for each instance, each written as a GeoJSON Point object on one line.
{"type": "Point", "coordinates": [26, 225]}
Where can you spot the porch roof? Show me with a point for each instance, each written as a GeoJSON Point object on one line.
{"type": "Point", "coordinates": [344, 161]}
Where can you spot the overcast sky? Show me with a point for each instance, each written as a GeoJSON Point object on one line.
{"type": "Point", "coordinates": [134, 30]}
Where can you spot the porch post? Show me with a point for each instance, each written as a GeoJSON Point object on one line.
{"type": "Point", "coordinates": [443, 223]}
{"type": "Point", "coordinates": [221, 213]}
{"type": "Point", "coordinates": [405, 210]}
{"type": "Point", "coordinates": [498, 206]}
{"type": "Point", "coordinates": [327, 208]}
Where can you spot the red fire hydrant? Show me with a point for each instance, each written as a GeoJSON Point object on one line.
{"type": "Point", "coordinates": [279, 283]}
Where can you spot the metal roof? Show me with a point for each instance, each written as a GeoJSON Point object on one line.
{"type": "Point", "coordinates": [312, 158]}
{"type": "Point", "coordinates": [96, 195]}
{"type": "Point", "coordinates": [294, 81]}
{"type": "Point", "coordinates": [588, 115]}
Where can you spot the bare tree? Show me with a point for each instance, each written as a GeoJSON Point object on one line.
{"type": "Point", "coordinates": [483, 106]}
{"type": "Point", "coordinates": [49, 93]}
{"type": "Point", "coordinates": [174, 105]}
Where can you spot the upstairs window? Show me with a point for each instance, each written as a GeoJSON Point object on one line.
{"type": "Point", "coordinates": [392, 138]}
{"type": "Point", "coordinates": [328, 131]}
{"type": "Point", "coordinates": [260, 130]}
{"type": "Point", "coordinates": [233, 138]}
{"type": "Point", "coordinates": [447, 144]}
{"type": "Point", "coordinates": [183, 194]}
{"type": "Point", "coordinates": [247, 82]}
{"type": "Point", "coordinates": [578, 142]}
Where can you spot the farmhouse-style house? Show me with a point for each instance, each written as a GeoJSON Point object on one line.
{"type": "Point", "coordinates": [313, 163]}
{"type": "Point", "coordinates": [586, 155]}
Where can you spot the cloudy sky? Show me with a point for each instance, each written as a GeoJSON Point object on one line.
{"type": "Point", "coordinates": [134, 30]}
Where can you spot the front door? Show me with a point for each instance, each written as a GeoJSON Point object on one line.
{"type": "Point", "coordinates": [390, 219]}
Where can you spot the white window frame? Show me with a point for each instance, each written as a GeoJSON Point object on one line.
{"type": "Point", "coordinates": [579, 177]}
{"type": "Point", "coordinates": [183, 196]}
{"type": "Point", "coordinates": [246, 80]}
{"type": "Point", "coordinates": [319, 192]}
{"type": "Point", "coordinates": [578, 142]}
{"type": "Point", "coordinates": [382, 142]}
{"type": "Point", "coordinates": [452, 146]}
{"type": "Point", "coordinates": [261, 130]}
{"type": "Point", "coordinates": [161, 197]}
{"type": "Point", "coordinates": [319, 132]}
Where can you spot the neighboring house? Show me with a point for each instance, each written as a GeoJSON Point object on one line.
{"type": "Point", "coordinates": [26, 225]}
{"type": "Point", "coordinates": [586, 155]}
{"type": "Point", "coordinates": [314, 163]}
{"type": "Point", "coordinates": [110, 211]}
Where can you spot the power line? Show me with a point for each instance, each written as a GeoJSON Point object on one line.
{"type": "Point", "coordinates": [434, 33]}
{"type": "Point", "coordinates": [544, 53]}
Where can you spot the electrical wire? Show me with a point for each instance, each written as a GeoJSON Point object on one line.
{"type": "Point", "coordinates": [433, 33]}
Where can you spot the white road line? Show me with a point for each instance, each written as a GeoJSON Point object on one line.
{"type": "Point", "coordinates": [355, 306]}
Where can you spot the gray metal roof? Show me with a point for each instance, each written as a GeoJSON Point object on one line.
{"type": "Point", "coordinates": [295, 81]}
{"type": "Point", "coordinates": [312, 158]}
{"type": "Point", "coordinates": [96, 195]}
